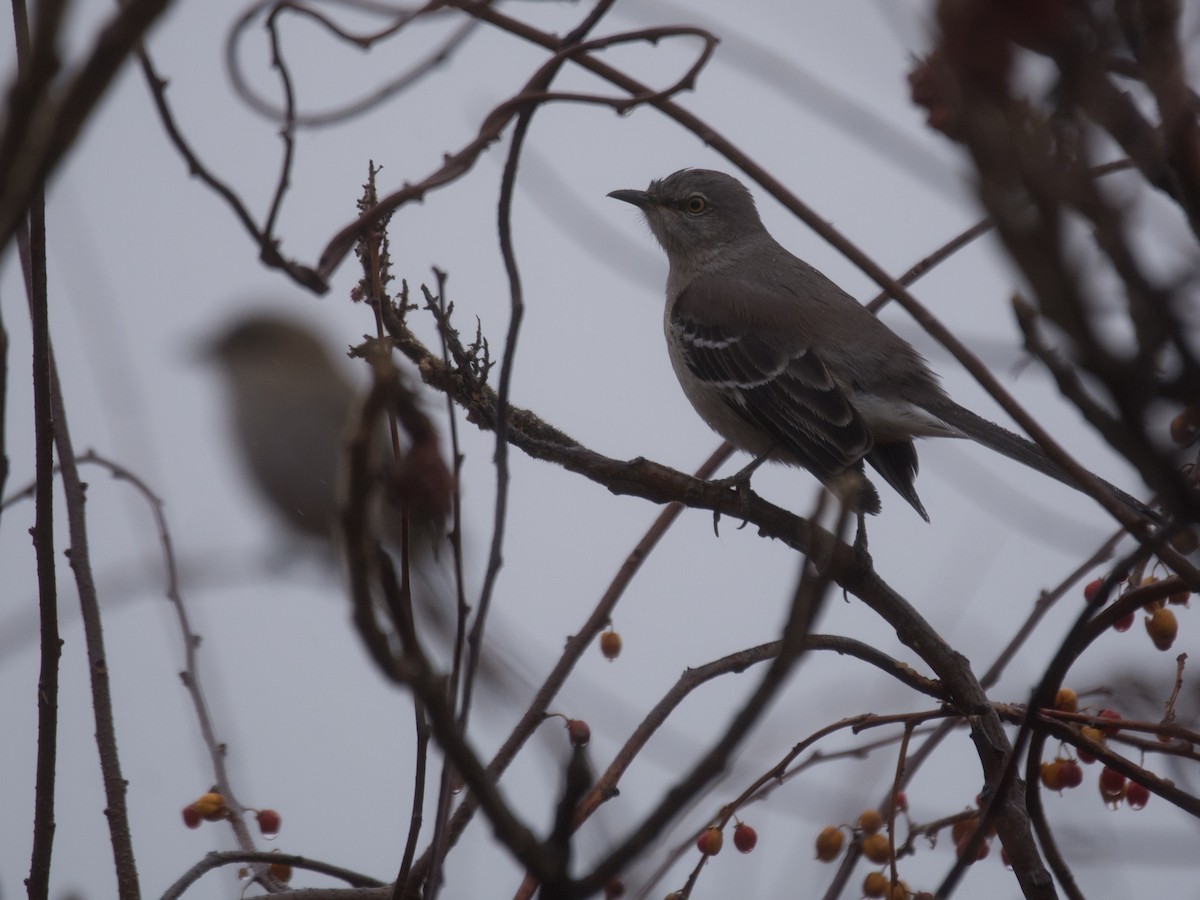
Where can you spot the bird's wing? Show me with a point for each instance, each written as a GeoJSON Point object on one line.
{"type": "Point", "coordinates": [776, 382]}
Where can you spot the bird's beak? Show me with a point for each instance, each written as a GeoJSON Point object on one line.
{"type": "Point", "coordinates": [640, 199]}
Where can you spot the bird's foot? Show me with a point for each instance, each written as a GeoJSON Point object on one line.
{"type": "Point", "coordinates": [862, 555]}
{"type": "Point", "coordinates": [740, 482]}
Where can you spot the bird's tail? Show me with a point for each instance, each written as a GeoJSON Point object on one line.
{"type": "Point", "coordinates": [1025, 451]}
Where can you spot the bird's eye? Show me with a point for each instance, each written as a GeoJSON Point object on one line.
{"type": "Point", "coordinates": [695, 204]}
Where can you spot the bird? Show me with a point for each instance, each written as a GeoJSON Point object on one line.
{"type": "Point", "coordinates": [786, 366]}
{"type": "Point", "coordinates": [290, 407]}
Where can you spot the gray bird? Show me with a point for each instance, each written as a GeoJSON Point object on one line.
{"type": "Point", "coordinates": [785, 365]}
{"type": "Point", "coordinates": [290, 405]}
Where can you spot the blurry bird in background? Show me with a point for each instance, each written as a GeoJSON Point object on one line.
{"type": "Point", "coordinates": [291, 412]}
{"type": "Point", "coordinates": [290, 407]}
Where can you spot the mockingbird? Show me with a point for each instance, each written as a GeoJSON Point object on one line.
{"type": "Point", "coordinates": [785, 365]}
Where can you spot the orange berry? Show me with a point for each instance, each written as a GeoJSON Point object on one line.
{"type": "Point", "coordinates": [610, 644]}
{"type": "Point", "coordinates": [1162, 626]}
{"type": "Point", "coordinates": [281, 871]}
{"type": "Point", "coordinates": [1049, 776]}
{"type": "Point", "coordinates": [870, 821]}
{"type": "Point", "coordinates": [900, 891]}
{"type": "Point", "coordinates": [829, 843]}
{"type": "Point", "coordinates": [876, 884]}
{"type": "Point", "coordinates": [877, 848]}
{"type": "Point", "coordinates": [1066, 700]}
{"type": "Point", "coordinates": [1180, 598]}
{"type": "Point", "coordinates": [710, 841]}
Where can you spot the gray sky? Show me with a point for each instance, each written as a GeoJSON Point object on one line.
{"type": "Point", "coordinates": [144, 262]}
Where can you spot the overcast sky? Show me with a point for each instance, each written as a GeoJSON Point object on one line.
{"type": "Point", "coordinates": [145, 262]}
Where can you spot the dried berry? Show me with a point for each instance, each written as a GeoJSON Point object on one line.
{"type": "Point", "coordinates": [876, 884]}
{"type": "Point", "coordinates": [870, 821]}
{"type": "Point", "coordinates": [610, 644]}
{"type": "Point", "coordinates": [877, 848]}
{"type": "Point", "coordinates": [829, 843]}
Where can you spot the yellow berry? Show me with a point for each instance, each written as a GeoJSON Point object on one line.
{"type": "Point", "coordinates": [1162, 626]}
{"type": "Point", "coordinates": [211, 806]}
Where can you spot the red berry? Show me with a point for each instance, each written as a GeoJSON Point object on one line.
{"type": "Point", "coordinates": [610, 644]}
{"type": "Point", "coordinates": [579, 732]}
{"type": "Point", "coordinates": [191, 816]}
{"type": "Point", "coordinates": [1092, 588]}
{"type": "Point", "coordinates": [1069, 773]}
{"type": "Point", "coordinates": [980, 853]}
{"type": "Point", "coordinates": [615, 889]}
{"type": "Point", "coordinates": [962, 829]}
{"type": "Point", "coordinates": [829, 843]}
{"type": "Point", "coordinates": [745, 838]}
{"type": "Point", "coordinates": [710, 841]}
{"type": "Point", "coordinates": [901, 801]}
{"type": "Point", "coordinates": [1112, 786]}
{"type": "Point", "coordinates": [1113, 717]}
{"type": "Point", "coordinates": [1136, 795]}
{"type": "Point", "coordinates": [1124, 623]}
{"type": "Point", "coordinates": [268, 822]}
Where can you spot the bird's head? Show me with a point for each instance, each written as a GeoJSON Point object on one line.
{"type": "Point", "coordinates": [696, 212]}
